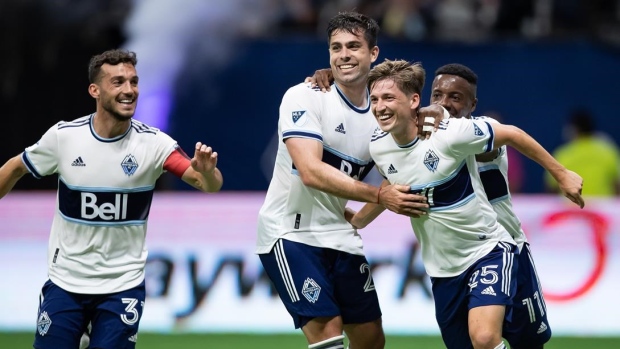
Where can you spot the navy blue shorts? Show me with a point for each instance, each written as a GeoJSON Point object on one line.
{"type": "Point", "coordinates": [321, 282]}
{"type": "Point", "coordinates": [63, 318]}
{"type": "Point", "coordinates": [529, 326]}
{"type": "Point", "coordinates": [492, 280]}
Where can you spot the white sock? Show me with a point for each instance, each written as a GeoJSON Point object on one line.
{"type": "Point", "coordinates": [500, 346]}
{"type": "Point", "coordinates": [330, 343]}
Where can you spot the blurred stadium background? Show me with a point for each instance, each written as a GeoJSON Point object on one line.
{"type": "Point", "coordinates": [215, 71]}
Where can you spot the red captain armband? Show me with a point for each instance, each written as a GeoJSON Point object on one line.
{"type": "Point", "coordinates": [177, 162]}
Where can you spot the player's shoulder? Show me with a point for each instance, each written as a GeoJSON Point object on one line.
{"type": "Point", "coordinates": [142, 128]}
{"type": "Point", "coordinates": [304, 90]}
{"type": "Point", "coordinates": [485, 118]}
{"type": "Point", "coordinates": [76, 123]}
{"type": "Point", "coordinates": [378, 135]}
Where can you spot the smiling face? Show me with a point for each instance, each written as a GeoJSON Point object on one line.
{"type": "Point", "coordinates": [350, 57]}
{"type": "Point", "coordinates": [394, 110]}
{"type": "Point", "coordinates": [455, 94]}
{"type": "Point", "coordinates": [116, 90]}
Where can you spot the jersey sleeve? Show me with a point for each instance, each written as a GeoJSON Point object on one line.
{"type": "Point", "coordinates": [470, 137]}
{"type": "Point", "coordinates": [163, 147]}
{"type": "Point", "coordinates": [299, 114]}
{"type": "Point", "coordinates": [41, 159]}
{"type": "Point", "coordinates": [177, 162]}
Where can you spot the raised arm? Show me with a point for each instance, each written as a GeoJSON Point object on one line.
{"type": "Point", "coordinates": [10, 173]}
{"type": "Point", "coordinates": [203, 173]}
{"type": "Point", "coordinates": [569, 182]}
{"type": "Point", "coordinates": [314, 173]}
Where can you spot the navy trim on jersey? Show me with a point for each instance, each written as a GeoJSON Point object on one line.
{"type": "Point", "coordinates": [301, 134]}
{"type": "Point", "coordinates": [355, 109]}
{"type": "Point", "coordinates": [453, 191]}
{"type": "Point", "coordinates": [491, 140]}
{"type": "Point", "coordinates": [30, 166]}
{"type": "Point", "coordinates": [410, 144]}
{"type": "Point", "coordinates": [494, 183]}
{"type": "Point", "coordinates": [74, 123]}
{"type": "Point", "coordinates": [376, 137]}
{"type": "Point", "coordinates": [104, 206]}
{"type": "Point", "coordinates": [345, 156]}
{"type": "Point", "coordinates": [105, 140]}
{"type": "Point", "coordinates": [142, 127]}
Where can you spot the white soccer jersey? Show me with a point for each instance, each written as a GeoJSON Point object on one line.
{"type": "Point", "coordinates": [494, 176]}
{"type": "Point", "coordinates": [105, 188]}
{"type": "Point", "coordinates": [299, 213]}
{"type": "Point", "coordinates": [460, 227]}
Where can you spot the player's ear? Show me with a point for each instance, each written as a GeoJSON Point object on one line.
{"type": "Point", "coordinates": [93, 90]}
{"type": "Point", "coordinates": [473, 105]}
{"type": "Point", "coordinates": [374, 54]}
{"type": "Point", "coordinates": [414, 102]}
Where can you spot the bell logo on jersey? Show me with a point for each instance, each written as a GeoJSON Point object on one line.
{"type": "Point", "coordinates": [107, 211]}
{"type": "Point", "coordinates": [104, 207]}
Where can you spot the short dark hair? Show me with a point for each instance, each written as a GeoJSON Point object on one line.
{"type": "Point", "coordinates": [112, 57]}
{"type": "Point", "coordinates": [408, 77]}
{"type": "Point", "coordinates": [582, 121]}
{"type": "Point", "coordinates": [354, 23]}
{"type": "Point", "coordinates": [460, 71]}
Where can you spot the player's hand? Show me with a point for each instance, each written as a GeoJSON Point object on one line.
{"type": "Point", "coordinates": [204, 160]}
{"type": "Point", "coordinates": [397, 198]}
{"type": "Point", "coordinates": [571, 184]}
{"type": "Point", "coordinates": [428, 119]}
{"type": "Point", "coordinates": [322, 78]}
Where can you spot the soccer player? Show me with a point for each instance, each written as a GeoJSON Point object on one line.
{"type": "Point", "coordinates": [107, 165]}
{"type": "Point", "coordinates": [454, 88]}
{"type": "Point", "coordinates": [313, 256]}
{"type": "Point", "coordinates": [467, 253]}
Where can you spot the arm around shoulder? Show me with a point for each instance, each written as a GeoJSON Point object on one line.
{"type": "Point", "coordinates": [10, 173]}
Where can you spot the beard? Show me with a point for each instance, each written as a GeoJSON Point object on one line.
{"type": "Point", "coordinates": [110, 108]}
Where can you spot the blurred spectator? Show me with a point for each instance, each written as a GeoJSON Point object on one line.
{"type": "Point", "coordinates": [593, 156]}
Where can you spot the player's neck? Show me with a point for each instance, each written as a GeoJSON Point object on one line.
{"type": "Point", "coordinates": [406, 136]}
{"type": "Point", "coordinates": [107, 126]}
{"type": "Point", "coordinates": [355, 93]}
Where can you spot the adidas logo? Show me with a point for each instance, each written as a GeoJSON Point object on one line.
{"type": "Point", "coordinates": [133, 338]}
{"type": "Point", "coordinates": [392, 169]}
{"type": "Point", "coordinates": [489, 290]}
{"type": "Point", "coordinates": [340, 129]}
{"type": "Point", "coordinates": [78, 162]}
{"type": "Point", "coordinates": [543, 327]}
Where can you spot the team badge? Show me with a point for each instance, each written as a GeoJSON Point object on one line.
{"type": "Point", "coordinates": [477, 131]}
{"type": "Point", "coordinates": [129, 165]}
{"type": "Point", "coordinates": [44, 323]}
{"type": "Point", "coordinates": [299, 117]}
{"type": "Point", "coordinates": [431, 161]}
{"type": "Point", "coordinates": [311, 290]}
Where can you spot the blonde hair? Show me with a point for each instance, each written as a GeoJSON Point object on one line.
{"type": "Point", "coordinates": [408, 77]}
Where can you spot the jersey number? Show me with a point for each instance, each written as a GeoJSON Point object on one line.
{"type": "Point", "coordinates": [529, 303]}
{"type": "Point", "coordinates": [132, 315]}
{"type": "Point", "coordinates": [369, 285]}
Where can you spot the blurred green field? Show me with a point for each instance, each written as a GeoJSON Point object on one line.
{"type": "Point", "coordinates": [12, 340]}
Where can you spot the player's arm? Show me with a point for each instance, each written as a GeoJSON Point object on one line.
{"type": "Point", "coordinates": [307, 156]}
{"type": "Point", "coordinates": [569, 182]}
{"type": "Point", "coordinates": [200, 171]}
{"type": "Point", "coordinates": [368, 213]}
{"type": "Point", "coordinates": [10, 173]}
